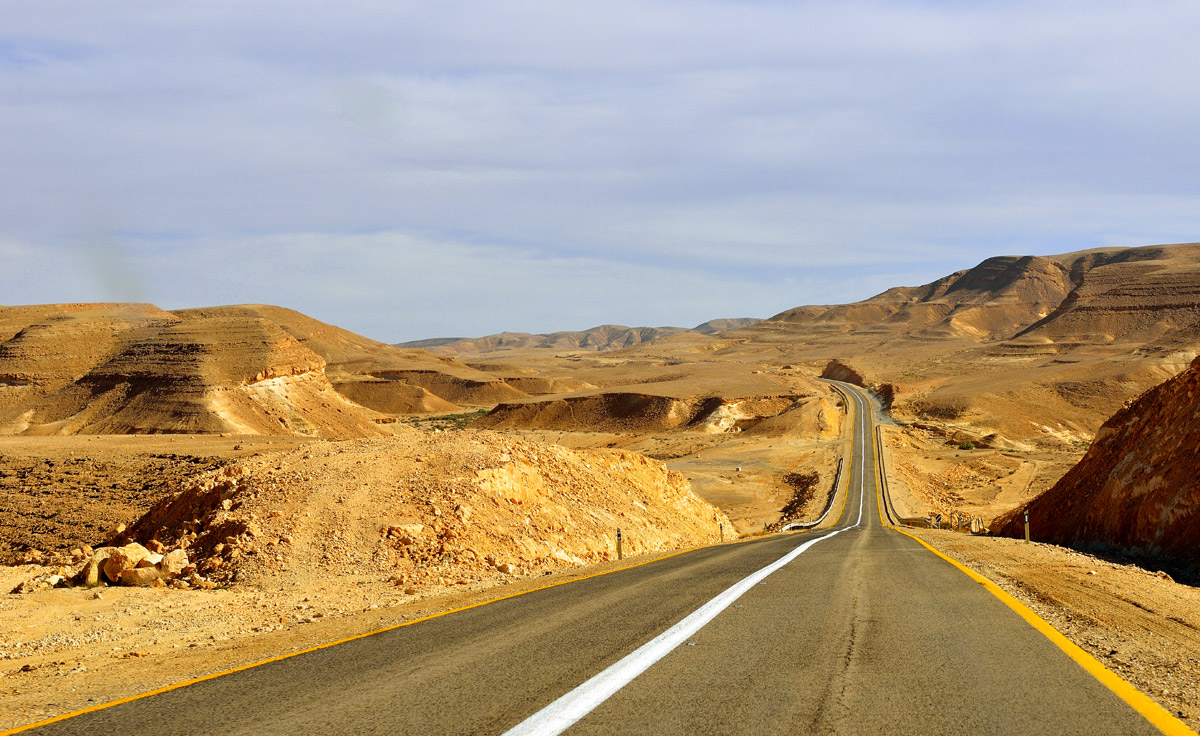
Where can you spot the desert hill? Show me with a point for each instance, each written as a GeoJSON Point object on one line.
{"type": "Point", "coordinates": [1022, 352]}
{"type": "Point", "coordinates": [1033, 349]}
{"type": "Point", "coordinates": [250, 369]}
{"type": "Point", "coordinates": [421, 509]}
{"type": "Point", "coordinates": [601, 338]}
{"type": "Point", "coordinates": [1135, 490]}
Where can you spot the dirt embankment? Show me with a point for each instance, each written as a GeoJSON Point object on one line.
{"type": "Point", "coordinates": [1135, 490]}
{"type": "Point", "coordinates": [628, 412]}
{"type": "Point", "coordinates": [428, 509]}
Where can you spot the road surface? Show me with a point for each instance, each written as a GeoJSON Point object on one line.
{"type": "Point", "coordinates": [855, 629]}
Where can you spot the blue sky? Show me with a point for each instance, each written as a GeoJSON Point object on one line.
{"type": "Point", "coordinates": [414, 169]}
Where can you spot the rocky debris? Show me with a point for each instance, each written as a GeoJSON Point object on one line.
{"type": "Point", "coordinates": [45, 581]}
{"type": "Point", "coordinates": [130, 565]}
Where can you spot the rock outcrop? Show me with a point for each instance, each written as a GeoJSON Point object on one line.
{"type": "Point", "coordinates": [1136, 489]}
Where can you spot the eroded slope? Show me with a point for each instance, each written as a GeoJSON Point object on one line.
{"type": "Point", "coordinates": [1135, 490]}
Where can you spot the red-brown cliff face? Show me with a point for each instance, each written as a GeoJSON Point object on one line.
{"type": "Point", "coordinates": [1137, 489]}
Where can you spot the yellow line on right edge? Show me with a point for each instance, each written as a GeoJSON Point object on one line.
{"type": "Point", "coordinates": [1152, 711]}
{"type": "Point", "coordinates": [1158, 716]}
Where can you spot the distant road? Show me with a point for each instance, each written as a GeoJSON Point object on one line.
{"type": "Point", "coordinates": [859, 630]}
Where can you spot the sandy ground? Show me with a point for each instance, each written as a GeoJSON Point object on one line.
{"type": "Point", "coordinates": [60, 492]}
{"type": "Point", "coordinates": [68, 649]}
{"type": "Point", "coordinates": [741, 475]}
{"type": "Point", "coordinates": [1138, 623]}
{"type": "Point", "coordinates": [927, 474]}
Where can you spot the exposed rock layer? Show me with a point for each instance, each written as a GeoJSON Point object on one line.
{"type": "Point", "coordinates": [1135, 490]}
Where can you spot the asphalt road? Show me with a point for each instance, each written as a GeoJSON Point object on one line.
{"type": "Point", "coordinates": [865, 631]}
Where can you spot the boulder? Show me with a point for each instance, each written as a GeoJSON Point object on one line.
{"type": "Point", "coordinates": [139, 576]}
{"type": "Point", "coordinates": [173, 563]}
{"type": "Point", "coordinates": [405, 533]}
{"type": "Point", "coordinates": [150, 560]}
{"type": "Point", "coordinates": [124, 558]}
{"type": "Point", "coordinates": [92, 573]}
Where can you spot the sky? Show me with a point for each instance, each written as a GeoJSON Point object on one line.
{"type": "Point", "coordinates": [426, 169]}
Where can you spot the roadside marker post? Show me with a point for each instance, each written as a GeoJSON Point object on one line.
{"type": "Point", "coordinates": [1027, 526]}
{"type": "Point", "coordinates": [620, 555]}
{"type": "Point", "coordinates": [722, 528]}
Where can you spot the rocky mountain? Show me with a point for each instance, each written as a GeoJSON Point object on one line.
{"type": "Point", "coordinates": [1034, 297]}
{"type": "Point", "coordinates": [601, 338]}
{"type": "Point", "coordinates": [1136, 490]}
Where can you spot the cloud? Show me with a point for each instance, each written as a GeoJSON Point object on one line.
{"type": "Point", "coordinates": [702, 144]}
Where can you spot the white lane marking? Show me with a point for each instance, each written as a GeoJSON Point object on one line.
{"type": "Point", "coordinates": [567, 710]}
{"type": "Point", "coordinates": [862, 455]}
{"type": "Point", "coordinates": [564, 712]}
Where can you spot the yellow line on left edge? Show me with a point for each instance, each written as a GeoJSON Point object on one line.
{"type": "Point", "coordinates": [289, 655]}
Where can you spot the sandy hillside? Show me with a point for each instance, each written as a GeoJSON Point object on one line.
{"type": "Point", "coordinates": [423, 506]}
{"type": "Point", "coordinates": [426, 507]}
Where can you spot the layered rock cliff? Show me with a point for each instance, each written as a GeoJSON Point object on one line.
{"type": "Point", "coordinates": [1136, 490]}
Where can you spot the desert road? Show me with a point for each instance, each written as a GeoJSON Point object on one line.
{"type": "Point", "coordinates": [850, 628]}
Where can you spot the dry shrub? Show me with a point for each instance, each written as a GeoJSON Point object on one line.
{"type": "Point", "coordinates": [804, 485]}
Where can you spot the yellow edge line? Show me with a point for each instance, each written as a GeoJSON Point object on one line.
{"type": "Point", "coordinates": [874, 455]}
{"type": "Point", "coordinates": [177, 686]}
{"type": "Point", "coordinates": [876, 451]}
{"type": "Point", "coordinates": [1160, 717]}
